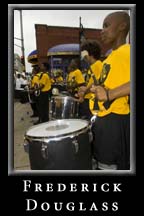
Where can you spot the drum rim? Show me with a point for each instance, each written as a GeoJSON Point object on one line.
{"type": "Point", "coordinates": [64, 135]}
{"type": "Point", "coordinates": [64, 97]}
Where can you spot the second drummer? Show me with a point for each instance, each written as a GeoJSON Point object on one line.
{"type": "Point", "coordinates": [75, 77]}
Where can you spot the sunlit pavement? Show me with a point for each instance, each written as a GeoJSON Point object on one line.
{"type": "Point", "coordinates": [22, 122]}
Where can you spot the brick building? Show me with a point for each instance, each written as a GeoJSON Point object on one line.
{"type": "Point", "coordinates": [49, 36]}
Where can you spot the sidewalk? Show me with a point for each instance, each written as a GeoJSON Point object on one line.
{"type": "Point", "coordinates": [22, 122]}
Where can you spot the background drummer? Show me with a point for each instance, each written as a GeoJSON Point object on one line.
{"type": "Point", "coordinates": [91, 52]}
{"type": "Point", "coordinates": [42, 89]}
{"type": "Point", "coordinates": [34, 94]}
{"type": "Point", "coordinates": [45, 92]}
{"type": "Point", "coordinates": [33, 101]}
{"type": "Point", "coordinates": [75, 77]}
{"type": "Point", "coordinates": [57, 76]}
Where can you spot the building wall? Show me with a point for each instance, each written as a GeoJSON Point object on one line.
{"type": "Point", "coordinates": [49, 36]}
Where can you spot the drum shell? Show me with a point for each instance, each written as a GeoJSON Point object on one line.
{"type": "Point", "coordinates": [68, 153]}
{"type": "Point", "coordinates": [63, 107]}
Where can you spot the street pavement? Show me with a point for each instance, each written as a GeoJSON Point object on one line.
{"type": "Point", "coordinates": [22, 122]}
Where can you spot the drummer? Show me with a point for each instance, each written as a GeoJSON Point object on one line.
{"type": "Point", "coordinates": [58, 76]}
{"type": "Point", "coordinates": [43, 88]}
{"type": "Point", "coordinates": [33, 99]}
{"type": "Point", "coordinates": [91, 52]}
{"type": "Point", "coordinates": [35, 94]}
{"type": "Point", "coordinates": [45, 92]}
{"type": "Point", "coordinates": [75, 77]}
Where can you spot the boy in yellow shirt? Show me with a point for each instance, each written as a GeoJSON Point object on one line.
{"type": "Point", "coordinates": [112, 125]}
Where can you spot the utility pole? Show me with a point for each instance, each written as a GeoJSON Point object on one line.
{"type": "Point", "coordinates": [22, 40]}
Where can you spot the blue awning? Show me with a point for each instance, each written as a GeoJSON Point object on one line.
{"type": "Point", "coordinates": [64, 49]}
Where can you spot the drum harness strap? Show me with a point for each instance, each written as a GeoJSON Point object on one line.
{"type": "Point", "coordinates": [37, 92]}
{"type": "Point", "coordinates": [97, 82]}
{"type": "Point", "coordinates": [42, 74]}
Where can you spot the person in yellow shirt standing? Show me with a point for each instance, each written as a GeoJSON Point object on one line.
{"type": "Point", "coordinates": [45, 93]}
{"type": "Point", "coordinates": [112, 125]}
{"type": "Point", "coordinates": [75, 77]}
{"type": "Point", "coordinates": [58, 76]}
{"type": "Point", "coordinates": [35, 94]}
{"type": "Point", "coordinates": [91, 53]}
{"type": "Point", "coordinates": [33, 104]}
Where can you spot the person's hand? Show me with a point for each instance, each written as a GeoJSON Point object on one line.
{"type": "Point", "coordinates": [26, 88]}
{"type": "Point", "coordinates": [82, 88]}
{"type": "Point", "coordinates": [80, 95]}
{"type": "Point", "coordinates": [100, 92]}
{"type": "Point", "coordinates": [93, 89]}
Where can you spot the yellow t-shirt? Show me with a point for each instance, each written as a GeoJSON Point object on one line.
{"type": "Point", "coordinates": [35, 79]}
{"type": "Point", "coordinates": [52, 81]}
{"type": "Point", "coordinates": [96, 68]}
{"type": "Point", "coordinates": [118, 64]}
{"type": "Point", "coordinates": [46, 81]}
{"type": "Point", "coordinates": [59, 79]}
{"type": "Point", "coordinates": [77, 75]}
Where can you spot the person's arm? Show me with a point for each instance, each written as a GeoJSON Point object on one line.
{"type": "Point", "coordinates": [120, 91]}
{"type": "Point", "coordinates": [103, 94]}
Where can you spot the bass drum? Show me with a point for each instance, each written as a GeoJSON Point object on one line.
{"type": "Point", "coordinates": [59, 145]}
{"type": "Point", "coordinates": [63, 107]}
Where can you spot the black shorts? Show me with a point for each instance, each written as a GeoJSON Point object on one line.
{"type": "Point", "coordinates": [112, 140]}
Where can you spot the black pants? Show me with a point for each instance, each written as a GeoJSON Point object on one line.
{"type": "Point", "coordinates": [33, 104]}
{"type": "Point", "coordinates": [34, 108]}
{"type": "Point", "coordinates": [43, 106]}
{"type": "Point", "coordinates": [112, 140]}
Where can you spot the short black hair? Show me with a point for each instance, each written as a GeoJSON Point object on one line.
{"type": "Point", "coordinates": [93, 47]}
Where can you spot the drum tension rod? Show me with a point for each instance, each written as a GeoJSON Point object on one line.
{"type": "Point", "coordinates": [76, 144]}
{"type": "Point", "coordinates": [44, 150]}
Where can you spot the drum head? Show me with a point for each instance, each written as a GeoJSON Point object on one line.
{"type": "Point", "coordinates": [57, 128]}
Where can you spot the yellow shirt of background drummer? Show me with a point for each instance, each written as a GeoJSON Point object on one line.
{"type": "Point", "coordinates": [35, 79]}
{"type": "Point", "coordinates": [96, 69]}
{"type": "Point", "coordinates": [77, 74]}
{"type": "Point", "coordinates": [46, 81]}
{"type": "Point", "coordinates": [119, 62]}
{"type": "Point", "coordinates": [59, 79]}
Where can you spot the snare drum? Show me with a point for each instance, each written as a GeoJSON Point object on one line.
{"type": "Point", "coordinates": [63, 107]}
{"type": "Point", "coordinates": [59, 145]}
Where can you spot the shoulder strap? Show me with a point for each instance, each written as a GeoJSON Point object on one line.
{"type": "Point", "coordinates": [104, 73]}
{"type": "Point", "coordinates": [37, 75]}
{"type": "Point", "coordinates": [42, 73]}
{"type": "Point", "coordinates": [96, 82]}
